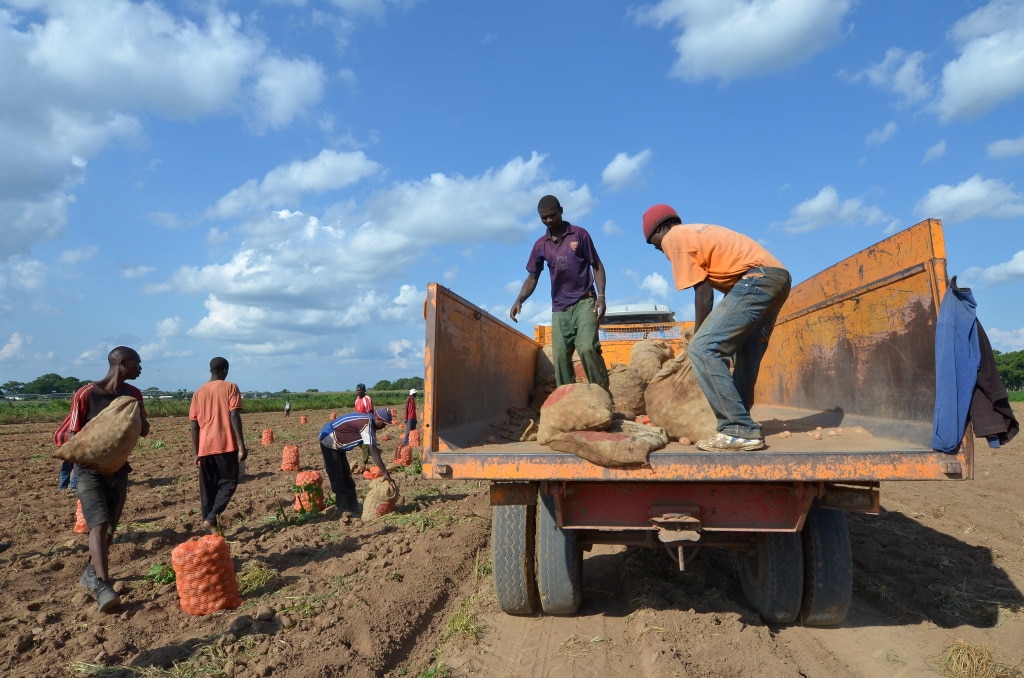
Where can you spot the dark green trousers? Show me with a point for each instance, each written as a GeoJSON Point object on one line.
{"type": "Point", "coordinates": [576, 329]}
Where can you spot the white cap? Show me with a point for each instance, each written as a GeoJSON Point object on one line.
{"type": "Point", "coordinates": [412, 391]}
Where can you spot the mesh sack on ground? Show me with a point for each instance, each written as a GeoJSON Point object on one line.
{"type": "Point", "coordinates": [380, 500]}
{"type": "Point", "coordinates": [205, 575]}
{"type": "Point", "coordinates": [311, 493]}
{"type": "Point", "coordinates": [81, 526]}
{"type": "Point", "coordinates": [290, 458]}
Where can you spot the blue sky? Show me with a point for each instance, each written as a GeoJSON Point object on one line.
{"type": "Point", "coordinates": [277, 182]}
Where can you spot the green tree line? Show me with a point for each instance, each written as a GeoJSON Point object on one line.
{"type": "Point", "coordinates": [1011, 369]}
{"type": "Point", "coordinates": [54, 383]}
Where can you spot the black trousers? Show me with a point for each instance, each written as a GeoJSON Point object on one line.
{"type": "Point", "coordinates": [218, 480]}
{"type": "Point", "coordinates": [340, 475]}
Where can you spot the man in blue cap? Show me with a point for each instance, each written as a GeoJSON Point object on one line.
{"type": "Point", "coordinates": [338, 437]}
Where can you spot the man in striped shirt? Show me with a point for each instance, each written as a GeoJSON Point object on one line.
{"type": "Point", "coordinates": [338, 437]}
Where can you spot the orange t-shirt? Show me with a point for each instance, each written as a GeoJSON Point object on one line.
{"type": "Point", "coordinates": [713, 253]}
{"type": "Point", "coordinates": [211, 407]}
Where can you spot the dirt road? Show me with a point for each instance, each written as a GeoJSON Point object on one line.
{"type": "Point", "coordinates": [411, 594]}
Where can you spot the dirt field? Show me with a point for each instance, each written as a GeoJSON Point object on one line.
{"type": "Point", "coordinates": [410, 595]}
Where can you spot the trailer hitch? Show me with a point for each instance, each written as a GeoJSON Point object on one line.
{"type": "Point", "coordinates": [676, 529]}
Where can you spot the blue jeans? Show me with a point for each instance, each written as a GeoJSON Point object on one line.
{"type": "Point", "coordinates": [66, 478]}
{"type": "Point", "coordinates": [739, 327]}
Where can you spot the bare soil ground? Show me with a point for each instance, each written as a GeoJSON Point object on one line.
{"type": "Point", "coordinates": [939, 574]}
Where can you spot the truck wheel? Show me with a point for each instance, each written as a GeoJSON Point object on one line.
{"type": "Point", "coordinates": [828, 568]}
{"type": "Point", "coordinates": [559, 562]}
{"type": "Point", "coordinates": [773, 576]}
{"type": "Point", "coordinates": [512, 544]}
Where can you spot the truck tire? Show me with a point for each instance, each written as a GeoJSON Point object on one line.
{"type": "Point", "coordinates": [773, 576]}
{"type": "Point", "coordinates": [559, 562]}
{"type": "Point", "coordinates": [828, 568]}
{"type": "Point", "coordinates": [512, 549]}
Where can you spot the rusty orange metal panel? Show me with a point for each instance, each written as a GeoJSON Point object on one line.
{"type": "Point", "coordinates": [860, 336]}
{"type": "Point", "coordinates": [617, 340]}
{"type": "Point", "coordinates": [476, 368]}
{"type": "Point", "coordinates": [485, 463]}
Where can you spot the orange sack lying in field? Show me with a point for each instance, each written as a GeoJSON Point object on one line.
{"type": "Point", "coordinates": [414, 438]}
{"type": "Point", "coordinates": [81, 527]}
{"type": "Point", "coordinates": [205, 575]}
{"type": "Point", "coordinates": [290, 458]}
{"type": "Point", "coordinates": [268, 436]}
{"type": "Point", "coordinates": [403, 456]}
{"type": "Point", "coordinates": [303, 419]}
{"type": "Point", "coordinates": [372, 473]}
{"type": "Point", "coordinates": [310, 493]}
{"type": "Point", "coordinates": [105, 443]}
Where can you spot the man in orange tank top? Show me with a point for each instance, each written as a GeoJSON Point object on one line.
{"type": "Point", "coordinates": [712, 258]}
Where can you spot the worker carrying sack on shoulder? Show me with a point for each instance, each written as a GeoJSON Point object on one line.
{"type": "Point", "coordinates": [106, 441]}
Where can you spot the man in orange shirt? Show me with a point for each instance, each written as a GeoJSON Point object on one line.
{"type": "Point", "coordinates": [218, 442]}
{"type": "Point", "coordinates": [755, 284]}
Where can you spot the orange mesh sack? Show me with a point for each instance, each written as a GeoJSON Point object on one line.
{"type": "Point", "coordinates": [403, 457]}
{"type": "Point", "coordinates": [414, 438]}
{"type": "Point", "coordinates": [105, 443]}
{"type": "Point", "coordinates": [303, 419]}
{"type": "Point", "coordinates": [81, 527]}
{"type": "Point", "coordinates": [311, 493]}
{"type": "Point", "coordinates": [205, 575]}
{"type": "Point", "coordinates": [268, 436]}
{"type": "Point", "coordinates": [372, 473]}
{"type": "Point", "coordinates": [290, 458]}
{"type": "Point", "coordinates": [380, 500]}
{"type": "Point", "coordinates": [334, 415]}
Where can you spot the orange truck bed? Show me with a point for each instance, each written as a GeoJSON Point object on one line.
{"type": "Point", "coordinates": [853, 349]}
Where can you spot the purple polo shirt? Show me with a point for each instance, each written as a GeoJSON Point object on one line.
{"type": "Point", "coordinates": [569, 262]}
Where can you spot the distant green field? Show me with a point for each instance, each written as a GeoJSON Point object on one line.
{"type": "Point", "coordinates": [21, 412]}
{"type": "Point", "coordinates": [1017, 396]}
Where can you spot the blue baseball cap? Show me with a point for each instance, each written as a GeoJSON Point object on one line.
{"type": "Point", "coordinates": [384, 414]}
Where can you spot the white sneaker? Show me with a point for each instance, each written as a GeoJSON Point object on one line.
{"type": "Point", "coordinates": [722, 442]}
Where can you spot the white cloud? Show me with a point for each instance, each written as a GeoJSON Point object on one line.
{"type": "Point", "coordinates": [328, 171]}
{"type": "Point", "coordinates": [901, 73]}
{"type": "Point", "coordinates": [990, 67]}
{"type": "Point", "coordinates": [87, 73]}
{"type": "Point", "coordinates": [733, 39]}
{"type": "Point", "coordinates": [283, 89]}
{"type": "Point", "coordinates": [827, 209]}
{"type": "Point", "coordinates": [1006, 148]}
{"type": "Point", "coordinates": [1006, 340]}
{"type": "Point", "coordinates": [999, 273]}
{"type": "Point", "coordinates": [877, 137]}
{"type": "Point", "coordinates": [281, 281]}
{"type": "Point", "coordinates": [136, 271]}
{"type": "Point", "coordinates": [657, 285]}
{"type": "Point", "coordinates": [168, 327]}
{"type": "Point", "coordinates": [974, 198]}
{"type": "Point", "coordinates": [73, 257]}
{"type": "Point", "coordinates": [934, 152]}
{"type": "Point", "coordinates": [14, 346]}
{"type": "Point", "coordinates": [609, 227]}
{"type": "Point", "coordinates": [624, 169]}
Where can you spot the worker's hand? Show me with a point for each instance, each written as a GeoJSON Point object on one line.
{"type": "Point", "coordinates": [600, 308]}
{"type": "Point", "coordinates": [392, 483]}
{"type": "Point", "coordinates": [516, 309]}
{"type": "Point", "coordinates": [244, 454]}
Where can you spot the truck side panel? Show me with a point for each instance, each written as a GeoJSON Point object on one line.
{"type": "Point", "coordinates": [860, 336]}
{"type": "Point", "coordinates": [477, 367]}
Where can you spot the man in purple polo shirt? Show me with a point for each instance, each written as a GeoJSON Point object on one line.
{"type": "Point", "coordinates": [576, 307]}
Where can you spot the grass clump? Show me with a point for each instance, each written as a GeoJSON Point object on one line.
{"type": "Point", "coordinates": [465, 624]}
{"type": "Point", "coordinates": [963, 660]}
{"type": "Point", "coordinates": [255, 576]}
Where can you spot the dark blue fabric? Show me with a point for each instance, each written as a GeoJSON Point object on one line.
{"type": "Point", "coordinates": [957, 359]}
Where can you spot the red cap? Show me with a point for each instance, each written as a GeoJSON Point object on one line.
{"type": "Point", "coordinates": [653, 218]}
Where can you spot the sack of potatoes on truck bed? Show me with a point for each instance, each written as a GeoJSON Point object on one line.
{"type": "Point", "coordinates": [107, 440]}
